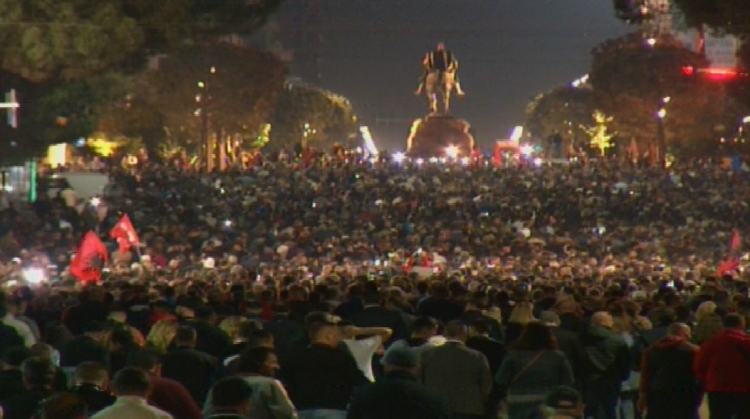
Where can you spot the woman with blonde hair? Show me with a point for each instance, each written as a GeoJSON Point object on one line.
{"type": "Point", "coordinates": [707, 322]}
{"type": "Point", "coordinates": [161, 335]}
{"type": "Point", "coordinates": [231, 326]}
{"type": "Point", "coordinates": [522, 314]}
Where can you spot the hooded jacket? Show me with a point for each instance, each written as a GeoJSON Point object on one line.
{"type": "Point", "coordinates": [723, 362]}
{"type": "Point", "coordinates": [666, 366]}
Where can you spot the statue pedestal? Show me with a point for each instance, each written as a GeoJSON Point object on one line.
{"type": "Point", "coordinates": [431, 136]}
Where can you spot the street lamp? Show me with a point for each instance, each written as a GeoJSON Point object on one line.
{"type": "Point", "coordinates": [661, 145]}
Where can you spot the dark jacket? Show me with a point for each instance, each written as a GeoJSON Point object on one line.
{"type": "Point", "coordinates": [398, 395]}
{"type": "Point", "coordinates": [607, 360]}
{"type": "Point", "coordinates": [211, 339]}
{"type": "Point", "coordinates": [569, 343]}
{"type": "Point", "coordinates": [82, 349]}
{"type": "Point", "coordinates": [529, 375]}
{"type": "Point", "coordinates": [492, 349]}
{"type": "Point", "coordinates": [11, 384]}
{"type": "Point", "coordinates": [321, 377]}
{"type": "Point", "coordinates": [95, 398]}
{"type": "Point", "coordinates": [460, 375]}
{"type": "Point", "coordinates": [723, 362]}
{"type": "Point", "coordinates": [193, 369]}
{"type": "Point", "coordinates": [667, 367]}
{"type": "Point", "coordinates": [26, 404]}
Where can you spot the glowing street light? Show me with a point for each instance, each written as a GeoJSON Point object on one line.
{"type": "Point", "coordinates": [666, 99]}
{"type": "Point", "coordinates": [452, 151]}
{"type": "Point", "coordinates": [746, 120]}
{"type": "Point", "coordinates": [527, 150]}
{"type": "Point", "coordinates": [651, 42]}
{"type": "Point", "coordinates": [399, 157]}
{"type": "Point", "coordinates": [662, 113]}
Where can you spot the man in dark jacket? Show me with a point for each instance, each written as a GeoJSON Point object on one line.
{"type": "Point", "coordinates": [608, 365]}
{"type": "Point", "coordinates": [480, 340]}
{"type": "Point", "coordinates": [374, 315]}
{"type": "Point", "coordinates": [193, 369]}
{"type": "Point", "coordinates": [231, 399]}
{"type": "Point", "coordinates": [398, 394]}
{"type": "Point", "coordinates": [723, 368]}
{"type": "Point", "coordinates": [211, 339]}
{"type": "Point", "coordinates": [668, 387]}
{"type": "Point", "coordinates": [91, 382]}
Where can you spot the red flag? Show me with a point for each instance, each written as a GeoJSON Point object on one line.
{"type": "Point", "coordinates": [89, 259]}
{"type": "Point", "coordinates": [732, 263]}
{"type": "Point", "coordinates": [735, 243]}
{"type": "Point", "coordinates": [125, 234]}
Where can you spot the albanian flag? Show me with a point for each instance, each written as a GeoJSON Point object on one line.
{"type": "Point", "coordinates": [125, 234]}
{"type": "Point", "coordinates": [732, 262]}
{"type": "Point", "coordinates": [88, 262]}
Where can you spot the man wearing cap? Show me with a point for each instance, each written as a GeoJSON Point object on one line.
{"type": "Point", "coordinates": [398, 394]}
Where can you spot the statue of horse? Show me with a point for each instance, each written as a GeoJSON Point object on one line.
{"type": "Point", "coordinates": [438, 86]}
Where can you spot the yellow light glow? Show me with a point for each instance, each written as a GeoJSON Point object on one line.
{"type": "Point", "coordinates": [452, 151]}
{"type": "Point", "coordinates": [57, 155]}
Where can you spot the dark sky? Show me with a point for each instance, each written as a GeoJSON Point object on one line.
{"type": "Point", "coordinates": [509, 50]}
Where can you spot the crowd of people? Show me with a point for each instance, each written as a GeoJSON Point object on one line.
{"type": "Point", "coordinates": [341, 287]}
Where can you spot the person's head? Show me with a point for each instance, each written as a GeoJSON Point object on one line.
{"type": "Point", "coordinates": [456, 330]}
{"type": "Point", "coordinates": [562, 403]}
{"type": "Point", "coordinates": [15, 356]}
{"type": "Point", "coordinates": [480, 327]}
{"type": "Point", "coordinates": [63, 406]}
{"type": "Point", "coordinates": [679, 330]}
{"type": "Point", "coordinates": [246, 328]}
{"type": "Point", "coordinates": [734, 321]}
{"type": "Point", "coordinates": [258, 360]}
{"type": "Point", "coordinates": [424, 327]}
{"type": "Point", "coordinates": [38, 372]}
{"type": "Point", "coordinates": [522, 313]}
{"type": "Point", "coordinates": [705, 309]}
{"type": "Point", "coordinates": [232, 394]}
{"type": "Point", "coordinates": [131, 381]}
{"type": "Point", "coordinates": [205, 314]}
{"type": "Point", "coordinates": [162, 334]}
{"type": "Point", "coordinates": [262, 338]}
{"type": "Point", "coordinates": [42, 350]}
{"type": "Point", "coordinates": [186, 336]}
{"type": "Point", "coordinates": [325, 333]}
{"type": "Point", "coordinates": [536, 336]}
{"type": "Point", "coordinates": [602, 319]}
{"type": "Point", "coordinates": [440, 46]}
{"type": "Point", "coordinates": [146, 359]}
{"type": "Point", "coordinates": [92, 373]}
{"type": "Point", "coordinates": [400, 359]}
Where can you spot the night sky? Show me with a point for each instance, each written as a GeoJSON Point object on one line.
{"type": "Point", "coordinates": [508, 50]}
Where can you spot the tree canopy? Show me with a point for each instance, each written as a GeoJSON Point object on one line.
{"type": "Point", "coordinates": [238, 87]}
{"type": "Point", "coordinates": [633, 80]}
{"type": "Point", "coordinates": [563, 109]}
{"type": "Point", "coordinates": [320, 117]}
{"type": "Point", "coordinates": [56, 53]}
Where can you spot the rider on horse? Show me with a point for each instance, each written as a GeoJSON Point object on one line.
{"type": "Point", "coordinates": [441, 60]}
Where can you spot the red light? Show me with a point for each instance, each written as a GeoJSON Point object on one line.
{"type": "Point", "coordinates": [688, 71]}
{"type": "Point", "coordinates": [726, 72]}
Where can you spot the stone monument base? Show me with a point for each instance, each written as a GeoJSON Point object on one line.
{"type": "Point", "coordinates": [433, 135]}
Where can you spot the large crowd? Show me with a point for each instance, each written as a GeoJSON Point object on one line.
{"type": "Point", "coordinates": [343, 287]}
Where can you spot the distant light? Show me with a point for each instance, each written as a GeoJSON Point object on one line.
{"type": "Point", "coordinates": [369, 143]}
{"type": "Point", "coordinates": [465, 161]}
{"type": "Point", "coordinates": [399, 157]}
{"type": "Point", "coordinates": [213, 70]}
{"type": "Point", "coordinates": [34, 275]}
{"type": "Point", "coordinates": [8, 188]}
{"type": "Point", "coordinates": [452, 151]}
{"type": "Point", "coordinates": [662, 113]}
{"type": "Point", "coordinates": [651, 41]}
{"type": "Point", "coordinates": [538, 161]}
{"type": "Point", "coordinates": [746, 120]}
{"type": "Point", "coordinates": [420, 161]}
{"type": "Point", "coordinates": [80, 142]}
{"type": "Point", "coordinates": [688, 70]}
{"type": "Point", "coordinates": [228, 223]}
{"type": "Point", "coordinates": [201, 84]}
{"type": "Point", "coordinates": [515, 136]}
{"type": "Point", "coordinates": [95, 202]}
{"type": "Point", "coordinates": [527, 150]}
{"type": "Point", "coordinates": [581, 81]}
{"type": "Point", "coordinates": [666, 99]}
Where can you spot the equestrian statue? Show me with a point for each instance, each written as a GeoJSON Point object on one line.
{"type": "Point", "coordinates": [439, 78]}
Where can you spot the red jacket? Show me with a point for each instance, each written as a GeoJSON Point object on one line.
{"type": "Point", "coordinates": [721, 365]}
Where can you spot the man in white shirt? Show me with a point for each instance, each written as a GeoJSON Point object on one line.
{"type": "Point", "coordinates": [7, 308]}
{"type": "Point", "coordinates": [131, 386]}
{"type": "Point", "coordinates": [364, 349]}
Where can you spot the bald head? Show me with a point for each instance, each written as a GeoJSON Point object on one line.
{"type": "Point", "coordinates": [456, 330]}
{"type": "Point", "coordinates": [679, 330]}
{"type": "Point", "coordinates": [602, 319]}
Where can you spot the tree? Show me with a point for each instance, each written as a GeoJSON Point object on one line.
{"type": "Point", "coordinates": [631, 79]}
{"type": "Point", "coordinates": [313, 116]}
{"type": "Point", "coordinates": [599, 134]}
{"type": "Point", "coordinates": [236, 87]}
{"type": "Point", "coordinates": [563, 109]}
